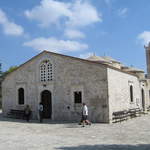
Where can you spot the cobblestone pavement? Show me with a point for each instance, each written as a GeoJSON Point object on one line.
{"type": "Point", "coordinates": [133, 134]}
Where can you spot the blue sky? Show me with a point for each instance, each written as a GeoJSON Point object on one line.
{"type": "Point", "coordinates": [117, 28]}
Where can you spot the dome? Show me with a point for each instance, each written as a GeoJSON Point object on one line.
{"type": "Point", "coordinates": [95, 58]}
{"type": "Point", "coordinates": [131, 69]}
{"type": "Point", "coordinates": [110, 59]}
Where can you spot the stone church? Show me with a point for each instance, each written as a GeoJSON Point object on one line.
{"type": "Point", "coordinates": [62, 83]}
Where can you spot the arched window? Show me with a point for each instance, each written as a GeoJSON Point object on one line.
{"type": "Point", "coordinates": [46, 71]}
{"type": "Point", "coordinates": [131, 93]}
{"type": "Point", "coordinates": [21, 96]}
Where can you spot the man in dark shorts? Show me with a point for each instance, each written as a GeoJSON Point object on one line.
{"type": "Point", "coordinates": [85, 115]}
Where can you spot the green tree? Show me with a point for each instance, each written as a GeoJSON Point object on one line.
{"type": "Point", "coordinates": [11, 69]}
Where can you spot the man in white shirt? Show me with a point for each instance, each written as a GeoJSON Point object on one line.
{"type": "Point", "coordinates": [85, 115]}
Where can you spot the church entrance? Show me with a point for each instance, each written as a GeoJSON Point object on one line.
{"type": "Point", "coordinates": [47, 103]}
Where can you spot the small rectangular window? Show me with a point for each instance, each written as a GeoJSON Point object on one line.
{"type": "Point", "coordinates": [78, 97]}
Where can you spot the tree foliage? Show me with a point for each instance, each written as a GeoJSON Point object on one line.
{"type": "Point", "coordinates": [11, 69]}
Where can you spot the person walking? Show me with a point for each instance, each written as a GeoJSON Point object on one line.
{"type": "Point", "coordinates": [40, 108]}
{"type": "Point", "coordinates": [85, 115]}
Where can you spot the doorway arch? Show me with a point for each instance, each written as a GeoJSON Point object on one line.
{"type": "Point", "coordinates": [46, 99]}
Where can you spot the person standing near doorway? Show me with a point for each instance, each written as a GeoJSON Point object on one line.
{"type": "Point", "coordinates": [40, 108]}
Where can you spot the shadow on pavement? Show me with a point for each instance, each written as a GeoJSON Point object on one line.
{"type": "Point", "coordinates": [107, 147]}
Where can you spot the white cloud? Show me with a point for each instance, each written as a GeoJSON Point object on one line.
{"type": "Point", "coordinates": [122, 12]}
{"type": "Point", "coordinates": [86, 55]}
{"type": "Point", "coordinates": [144, 37]}
{"type": "Point", "coordinates": [72, 34]}
{"type": "Point", "coordinates": [55, 45]}
{"type": "Point", "coordinates": [83, 14]}
{"type": "Point", "coordinates": [76, 14]}
{"type": "Point", "coordinates": [48, 12]}
{"type": "Point", "coordinates": [10, 28]}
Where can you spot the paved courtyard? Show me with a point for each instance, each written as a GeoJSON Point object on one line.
{"type": "Point", "coordinates": [19, 135]}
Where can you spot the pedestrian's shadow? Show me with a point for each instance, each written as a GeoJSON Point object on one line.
{"type": "Point", "coordinates": [107, 147]}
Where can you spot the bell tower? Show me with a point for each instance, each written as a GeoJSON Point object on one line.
{"type": "Point", "coordinates": [147, 49]}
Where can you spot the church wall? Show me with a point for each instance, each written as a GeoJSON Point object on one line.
{"type": "Point", "coordinates": [146, 86]}
{"type": "Point", "coordinates": [74, 75]}
{"type": "Point", "coordinates": [69, 75]}
{"type": "Point", "coordinates": [119, 91]}
{"type": "Point", "coordinates": [23, 77]}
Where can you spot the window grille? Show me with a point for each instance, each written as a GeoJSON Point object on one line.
{"type": "Point", "coordinates": [46, 71]}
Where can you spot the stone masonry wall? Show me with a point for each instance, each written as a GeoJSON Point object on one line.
{"type": "Point", "coordinates": [119, 91]}
{"type": "Point", "coordinates": [91, 79]}
{"type": "Point", "coordinates": [69, 75]}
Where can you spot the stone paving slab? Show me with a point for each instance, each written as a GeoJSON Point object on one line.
{"type": "Point", "coordinates": [133, 134]}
